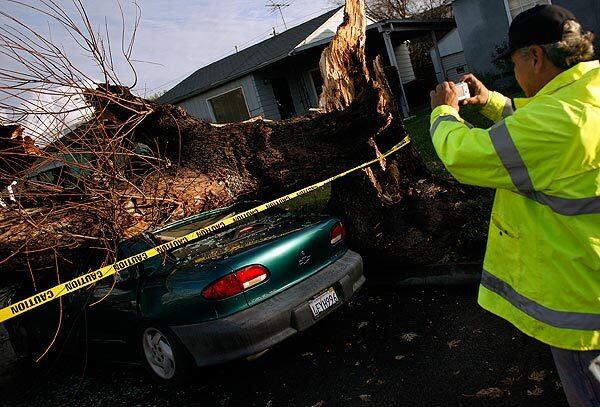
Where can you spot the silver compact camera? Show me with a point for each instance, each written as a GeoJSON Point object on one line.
{"type": "Point", "coordinates": [463, 91]}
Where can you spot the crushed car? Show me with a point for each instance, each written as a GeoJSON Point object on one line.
{"type": "Point", "coordinates": [230, 295]}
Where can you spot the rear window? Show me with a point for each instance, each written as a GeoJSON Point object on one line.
{"type": "Point", "coordinates": [177, 231]}
{"type": "Point", "coordinates": [196, 222]}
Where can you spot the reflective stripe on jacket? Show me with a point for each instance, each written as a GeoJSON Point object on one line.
{"type": "Point", "coordinates": [542, 264]}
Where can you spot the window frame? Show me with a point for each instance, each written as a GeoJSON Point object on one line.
{"type": "Point", "coordinates": [507, 8]}
{"type": "Point", "coordinates": [210, 106]}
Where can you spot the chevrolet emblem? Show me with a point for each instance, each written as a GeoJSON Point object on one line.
{"type": "Point", "coordinates": [304, 258]}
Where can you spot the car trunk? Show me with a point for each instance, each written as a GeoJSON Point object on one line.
{"type": "Point", "coordinates": [291, 247]}
{"type": "Point", "coordinates": [301, 249]}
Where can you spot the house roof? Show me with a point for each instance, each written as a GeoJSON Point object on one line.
{"type": "Point", "coordinates": [408, 25]}
{"type": "Point", "coordinates": [243, 62]}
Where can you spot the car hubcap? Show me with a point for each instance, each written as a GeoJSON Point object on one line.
{"type": "Point", "coordinates": [159, 353]}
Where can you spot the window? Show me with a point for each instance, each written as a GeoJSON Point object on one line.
{"type": "Point", "coordinates": [230, 107]}
{"type": "Point", "coordinates": [516, 7]}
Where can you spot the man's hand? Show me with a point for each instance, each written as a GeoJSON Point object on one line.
{"type": "Point", "coordinates": [444, 94]}
{"type": "Point", "coordinates": [480, 94]}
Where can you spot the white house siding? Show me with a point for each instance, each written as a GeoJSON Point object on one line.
{"type": "Point", "coordinates": [328, 29]}
{"type": "Point", "coordinates": [453, 57]}
{"type": "Point", "coordinates": [296, 71]}
{"type": "Point", "coordinates": [455, 66]}
{"type": "Point", "coordinates": [310, 87]}
{"type": "Point", "coordinates": [450, 43]}
{"type": "Point", "coordinates": [301, 91]}
{"type": "Point", "coordinates": [404, 63]}
{"type": "Point", "coordinates": [301, 83]}
{"type": "Point", "coordinates": [199, 107]}
{"type": "Point", "coordinates": [266, 96]}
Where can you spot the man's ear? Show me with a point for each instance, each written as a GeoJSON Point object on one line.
{"type": "Point", "coordinates": [537, 56]}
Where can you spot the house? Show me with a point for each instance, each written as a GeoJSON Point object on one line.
{"type": "Point", "coordinates": [451, 64]}
{"type": "Point", "coordinates": [483, 26]}
{"type": "Point", "coordinates": [279, 78]}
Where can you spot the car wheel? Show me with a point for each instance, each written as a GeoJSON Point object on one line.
{"type": "Point", "coordinates": [163, 356]}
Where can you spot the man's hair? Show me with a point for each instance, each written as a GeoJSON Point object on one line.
{"type": "Point", "coordinates": [576, 46]}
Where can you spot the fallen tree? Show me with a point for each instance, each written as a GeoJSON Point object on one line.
{"type": "Point", "coordinates": [395, 212]}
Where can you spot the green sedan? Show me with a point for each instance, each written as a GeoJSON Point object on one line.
{"type": "Point", "coordinates": [233, 294]}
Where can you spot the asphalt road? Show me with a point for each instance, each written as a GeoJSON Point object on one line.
{"type": "Point", "coordinates": [388, 347]}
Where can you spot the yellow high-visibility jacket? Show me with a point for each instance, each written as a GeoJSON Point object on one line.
{"type": "Point", "coordinates": [542, 264]}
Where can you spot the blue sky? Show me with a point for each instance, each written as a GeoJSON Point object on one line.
{"type": "Point", "coordinates": [176, 37]}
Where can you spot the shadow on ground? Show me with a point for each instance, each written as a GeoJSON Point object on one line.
{"type": "Point", "coordinates": [388, 347]}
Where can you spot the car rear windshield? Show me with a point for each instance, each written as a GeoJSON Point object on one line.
{"type": "Point", "coordinates": [196, 222]}
{"type": "Point", "coordinates": [222, 240]}
{"type": "Point", "coordinates": [180, 230]}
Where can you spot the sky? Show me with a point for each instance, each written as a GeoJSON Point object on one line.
{"type": "Point", "coordinates": [174, 37]}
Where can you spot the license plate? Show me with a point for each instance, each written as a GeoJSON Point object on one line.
{"type": "Point", "coordinates": [323, 302]}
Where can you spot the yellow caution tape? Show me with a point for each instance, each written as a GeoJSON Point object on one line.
{"type": "Point", "coordinates": [93, 277]}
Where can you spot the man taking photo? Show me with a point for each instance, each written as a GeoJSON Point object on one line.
{"type": "Point", "coordinates": [542, 264]}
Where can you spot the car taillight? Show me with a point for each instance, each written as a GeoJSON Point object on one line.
{"type": "Point", "coordinates": [227, 286]}
{"type": "Point", "coordinates": [337, 234]}
{"type": "Point", "coordinates": [252, 275]}
{"type": "Point", "coordinates": [235, 283]}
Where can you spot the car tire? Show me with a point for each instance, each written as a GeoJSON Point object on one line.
{"type": "Point", "coordinates": [163, 356]}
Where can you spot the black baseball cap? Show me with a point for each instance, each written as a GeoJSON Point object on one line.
{"type": "Point", "coordinates": [539, 25]}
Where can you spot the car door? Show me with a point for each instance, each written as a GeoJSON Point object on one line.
{"type": "Point", "coordinates": [112, 313]}
{"type": "Point", "coordinates": [112, 310]}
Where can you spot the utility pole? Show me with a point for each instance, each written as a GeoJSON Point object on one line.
{"type": "Point", "coordinates": [274, 6]}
